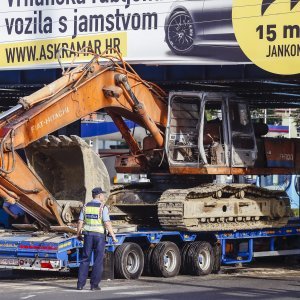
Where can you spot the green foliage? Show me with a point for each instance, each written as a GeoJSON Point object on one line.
{"type": "Point", "coordinates": [296, 212]}
{"type": "Point", "coordinates": [272, 117]}
{"type": "Point", "coordinates": [211, 114]}
{"type": "Point", "coordinates": [295, 114]}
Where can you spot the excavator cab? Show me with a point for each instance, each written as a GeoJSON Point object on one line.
{"type": "Point", "coordinates": [209, 130]}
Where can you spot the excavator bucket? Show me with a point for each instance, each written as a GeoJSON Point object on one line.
{"type": "Point", "coordinates": [69, 169]}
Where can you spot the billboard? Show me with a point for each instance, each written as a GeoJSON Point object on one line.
{"type": "Point", "coordinates": [203, 32]}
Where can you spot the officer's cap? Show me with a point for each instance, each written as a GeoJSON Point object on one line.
{"type": "Point", "coordinates": [97, 191]}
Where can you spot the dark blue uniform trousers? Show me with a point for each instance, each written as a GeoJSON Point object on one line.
{"type": "Point", "coordinates": [92, 242]}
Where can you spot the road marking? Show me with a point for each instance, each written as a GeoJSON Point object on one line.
{"type": "Point", "coordinates": [240, 295]}
{"type": "Point", "coordinates": [114, 288]}
{"type": "Point", "coordinates": [135, 293]}
{"type": "Point", "coordinates": [34, 287]}
{"type": "Point", "coordinates": [161, 298]}
{"type": "Point", "coordinates": [26, 286]}
{"type": "Point", "coordinates": [27, 297]}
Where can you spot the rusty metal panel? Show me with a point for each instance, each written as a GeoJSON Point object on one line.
{"type": "Point", "coordinates": [297, 153]}
{"type": "Point", "coordinates": [280, 152]}
{"type": "Point", "coordinates": [128, 164]}
{"type": "Point", "coordinates": [233, 171]}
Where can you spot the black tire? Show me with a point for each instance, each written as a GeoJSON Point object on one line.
{"type": "Point", "coordinates": [166, 260]}
{"type": "Point", "coordinates": [184, 250]}
{"type": "Point", "coordinates": [129, 261]}
{"type": "Point", "coordinates": [217, 258]}
{"type": "Point", "coordinates": [200, 258]}
{"type": "Point", "coordinates": [180, 33]}
{"type": "Point", "coordinates": [147, 261]}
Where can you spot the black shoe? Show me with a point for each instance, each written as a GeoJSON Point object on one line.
{"type": "Point", "coordinates": [95, 288]}
{"type": "Point", "coordinates": [79, 288]}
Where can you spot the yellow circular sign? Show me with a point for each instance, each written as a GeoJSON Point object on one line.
{"type": "Point", "coordinates": [268, 32]}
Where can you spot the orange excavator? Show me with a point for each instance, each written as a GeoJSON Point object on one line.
{"type": "Point", "coordinates": [193, 136]}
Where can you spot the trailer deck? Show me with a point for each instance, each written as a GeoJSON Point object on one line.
{"type": "Point", "coordinates": [60, 252]}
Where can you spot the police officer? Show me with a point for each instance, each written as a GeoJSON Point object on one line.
{"type": "Point", "coordinates": [93, 219]}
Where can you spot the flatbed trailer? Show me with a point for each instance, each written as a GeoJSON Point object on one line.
{"type": "Point", "coordinates": [152, 252]}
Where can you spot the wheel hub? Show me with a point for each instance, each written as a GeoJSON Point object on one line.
{"type": "Point", "coordinates": [169, 261]}
{"type": "Point", "coordinates": [204, 260]}
{"type": "Point", "coordinates": [132, 263]}
{"type": "Point", "coordinates": [181, 35]}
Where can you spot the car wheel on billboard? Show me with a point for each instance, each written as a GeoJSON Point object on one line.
{"type": "Point", "coordinates": [180, 33]}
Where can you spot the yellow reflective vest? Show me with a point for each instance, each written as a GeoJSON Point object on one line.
{"type": "Point", "coordinates": [93, 217]}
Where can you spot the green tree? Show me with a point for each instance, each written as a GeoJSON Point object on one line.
{"type": "Point", "coordinates": [295, 114]}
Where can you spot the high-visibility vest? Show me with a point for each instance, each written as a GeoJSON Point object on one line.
{"type": "Point", "coordinates": [93, 217]}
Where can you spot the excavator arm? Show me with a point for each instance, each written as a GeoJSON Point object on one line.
{"type": "Point", "coordinates": [113, 86]}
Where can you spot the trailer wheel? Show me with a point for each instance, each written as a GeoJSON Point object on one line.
{"type": "Point", "coordinates": [217, 258]}
{"type": "Point", "coordinates": [147, 261]}
{"type": "Point", "coordinates": [200, 258]}
{"type": "Point", "coordinates": [129, 261]}
{"type": "Point", "coordinates": [184, 250]}
{"type": "Point", "coordinates": [166, 259]}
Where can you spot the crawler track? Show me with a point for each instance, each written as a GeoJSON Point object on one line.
{"type": "Point", "coordinates": [213, 207]}
{"type": "Point", "coordinates": [208, 207]}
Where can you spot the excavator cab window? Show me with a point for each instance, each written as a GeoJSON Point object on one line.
{"type": "Point", "coordinates": [183, 137]}
{"type": "Point", "coordinates": [244, 151]}
{"type": "Point", "coordinates": [240, 118]}
{"type": "Point", "coordinates": [213, 137]}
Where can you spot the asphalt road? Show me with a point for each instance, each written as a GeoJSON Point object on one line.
{"type": "Point", "coordinates": [258, 282]}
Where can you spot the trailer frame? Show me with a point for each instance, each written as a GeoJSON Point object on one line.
{"type": "Point", "coordinates": [60, 252]}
